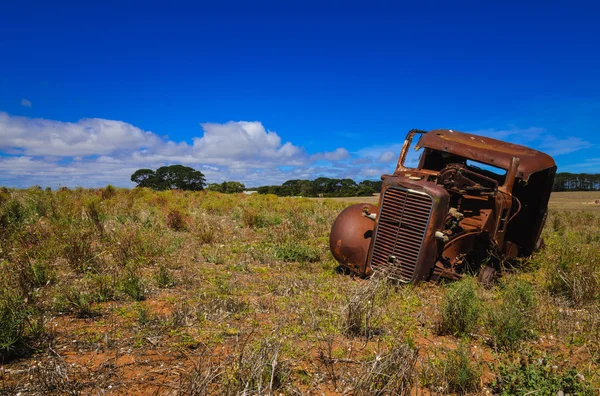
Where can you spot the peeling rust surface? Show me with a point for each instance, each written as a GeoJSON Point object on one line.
{"type": "Point", "coordinates": [487, 150]}
{"type": "Point", "coordinates": [449, 215]}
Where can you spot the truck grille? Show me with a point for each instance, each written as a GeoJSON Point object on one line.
{"type": "Point", "coordinates": [401, 226]}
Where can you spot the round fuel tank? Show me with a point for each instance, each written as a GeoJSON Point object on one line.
{"type": "Point", "coordinates": [351, 235]}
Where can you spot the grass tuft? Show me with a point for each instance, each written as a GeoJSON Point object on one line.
{"type": "Point", "coordinates": [510, 320]}
{"type": "Point", "coordinates": [455, 372]}
{"type": "Point", "coordinates": [389, 373]}
{"type": "Point", "coordinates": [460, 308]}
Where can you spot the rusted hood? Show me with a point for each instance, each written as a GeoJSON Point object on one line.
{"type": "Point", "coordinates": [487, 150]}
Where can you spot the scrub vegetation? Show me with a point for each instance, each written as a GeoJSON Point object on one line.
{"type": "Point", "coordinates": [170, 292]}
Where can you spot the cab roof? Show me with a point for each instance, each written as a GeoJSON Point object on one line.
{"type": "Point", "coordinates": [487, 150]}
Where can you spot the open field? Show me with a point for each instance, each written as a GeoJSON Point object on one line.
{"type": "Point", "coordinates": [140, 292]}
{"type": "Point", "coordinates": [576, 200]}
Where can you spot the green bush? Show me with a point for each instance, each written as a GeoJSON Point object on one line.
{"type": "Point", "coordinates": [455, 372]}
{"type": "Point", "coordinates": [540, 378]}
{"type": "Point", "coordinates": [510, 320]}
{"type": "Point", "coordinates": [12, 323]}
{"type": "Point", "coordinates": [132, 284]}
{"type": "Point", "coordinates": [460, 308]}
{"type": "Point", "coordinates": [291, 252]}
{"type": "Point", "coordinates": [163, 278]}
{"type": "Point", "coordinates": [76, 301]}
{"type": "Point", "coordinates": [12, 213]}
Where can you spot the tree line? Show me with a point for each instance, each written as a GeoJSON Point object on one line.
{"type": "Point", "coordinates": [576, 182]}
{"type": "Point", "coordinates": [179, 177]}
{"type": "Point", "coordinates": [323, 187]}
{"type": "Point", "coordinates": [186, 178]}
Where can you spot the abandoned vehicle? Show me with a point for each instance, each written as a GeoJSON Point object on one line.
{"type": "Point", "coordinates": [470, 204]}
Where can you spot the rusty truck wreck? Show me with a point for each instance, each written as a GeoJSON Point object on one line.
{"type": "Point", "coordinates": [471, 204]}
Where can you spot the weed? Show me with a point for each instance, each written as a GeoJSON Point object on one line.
{"type": "Point", "coordinates": [78, 302]}
{"type": "Point", "coordinates": [12, 323]}
{"type": "Point", "coordinates": [460, 308]}
{"type": "Point", "coordinates": [296, 252]}
{"type": "Point", "coordinates": [570, 260]}
{"type": "Point", "coordinates": [108, 192]}
{"type": "Point", "coordinates": [364, 304]}
{"type": "Point", "coordinates": [510, 320]}
{"type": "Point", "coordinates": [455, 372]}
{"type": "Point", "coordinates": [143, 315]}
{"type": "Point", "coordinates": [182, 315]}
{"type": "Point", "coordinates": [42, 273]}
{"type": "Point", "coordinates": [574, 282]}
{"type": "Point", "coordinates": [203, 379]}
{"type": "Point", "coordinates": [32, 274]}
{"type": "Point", "coordinates": [80, 252]}
{"type": "Point", "coordinates": [220, 307]}
{"type": "Point", "coordinates": [163, 278]}
{"type": "Point", "coordinates": [256, 368]}
{"type": "Point", "coordinates": [132, 284]}
{"type": "Point", "coordinates": [252, 218]}
{"type": "Point", "coordinates": [388, 373]}
{"type": "Point", "coordinates": [205, 231]}
{"type": "Point", "coordinates": [176, 220]}
{"type": "Point", "coordinates": [103, 287]}
{"type": "Point", "coordinates": [92, 211]}
{"type": "Point", "coordinates": [214, 255]}
{"type": "Point", "coordinates": [539, 377]}
{"type": "Point", "coordinates": [12, 214]}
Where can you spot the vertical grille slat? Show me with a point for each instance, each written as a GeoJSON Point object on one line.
{"type": "Point", "coordinates": [402, 223]}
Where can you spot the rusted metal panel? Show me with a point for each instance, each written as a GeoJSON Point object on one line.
{"type": "Point", "coordinates": [487, 150]}
{"type": "Point", "coordinates": [401, 226]}
{"type": "Point", "coordinates": [350, 237]}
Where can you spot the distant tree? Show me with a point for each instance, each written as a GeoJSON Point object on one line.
{"type": "Point", "coordinates": [302, 188]}
{"type": "Point", "coordinates": [232, 187]}
{"type": "Point", "coordinates": [227, 187]}
{"type": "Point", "coordinates": [264, 190]}
{"type": "Point", "coordinates": [144, 177]}
{"type": "Point", "coordinates": [214, 187]}
{"type": "Point", "coordinates": [576, 182]}
{"type": "Point", "coordinates": [323, 187]}
{"type": "Point", "coordinates": [170, 178]}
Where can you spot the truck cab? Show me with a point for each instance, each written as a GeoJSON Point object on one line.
{"type": "Point", "coordinates": [469, 200]}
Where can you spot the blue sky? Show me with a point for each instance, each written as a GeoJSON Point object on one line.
{"type": "Point", "coordinates": [263, 92]}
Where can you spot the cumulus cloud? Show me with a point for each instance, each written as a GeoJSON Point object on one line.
{"type": "Point", "coordinates": [336, 155]}
{"type": "Point", "coordinates": [243, 141]}
{"type": "Point", "coordinates": [388, 156]}
{"type": "Point", "coordinates": [25, 103]}
{"type": "Point", "coordinates": [94, 152]}
{"type": "Point", "coordinates": [92, 136]}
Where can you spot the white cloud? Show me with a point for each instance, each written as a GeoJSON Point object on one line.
{"type": "Point", "coordinates": [244, 141]}
{"type": "Point", "coordinates": [556, 146]}
{"type": "Point", "coordinates": [25, 103]}
{"type": "Point", "coordinates": [337, 155]}
{"type": "Point", "coordinates": [95, 152]}
{"type": "Point", "coordinates": [513, 133]}
{"type": "Point", "coordinates": [388, 156]}
{"type": "Point", "coordinates": [92, 136]}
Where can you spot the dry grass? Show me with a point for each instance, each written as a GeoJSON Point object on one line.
{"type": "Point", "coordinates": [110, 291]}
